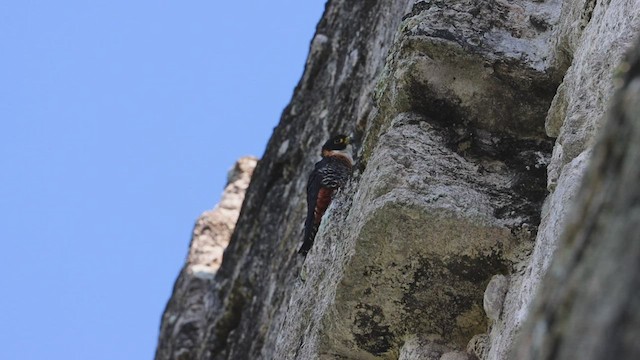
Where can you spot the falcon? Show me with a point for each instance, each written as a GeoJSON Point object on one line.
{"type": "Point", "coordinates": [329, 174]}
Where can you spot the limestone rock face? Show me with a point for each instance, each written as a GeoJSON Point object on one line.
{"type": "Point", "coordinates": [183, 320]}
{"type": "Point", "coordinates": [435, 248]}
{"type": "Point", "coordinates": [588, 304]}
{"type": "Point", "coordinates": [590, 39]}
{"type": "Point", "coordinates": [449, 194]}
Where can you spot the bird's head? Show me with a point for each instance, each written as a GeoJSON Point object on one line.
{"type": "Point", "coordinates": [335, 145]}
{"type": "Point", "coordinates": [338, 142]}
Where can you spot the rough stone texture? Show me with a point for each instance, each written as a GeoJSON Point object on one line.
{"type": "Point", "coordinates": [588, 304]}
{"type": "Point", "coordinates": [419, 240]}
{"type": "Point", "coordinates": [183, 319]}
{"type": "Point", "coordinates": [416, 349]}
{"type": "Point", "coordinates": [456, 355]}
{"type": "Point", "coordinates": [448, 195]}
{"type": "Point", "coordinates": [479, 346]}
{"type": "Point", "coordinates": [248, 305]}
{"type": "Point", "coordinates": [482, 63]}
{"type": "Point", "coordinates": [447, 101]}
{"type": "Point", "coordinates": [494, 296]}
{"type": "Point", "coordinates": [590, 39]}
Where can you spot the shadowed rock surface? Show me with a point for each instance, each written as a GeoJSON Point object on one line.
{"type": "Point", "coordinates": [436, 247]}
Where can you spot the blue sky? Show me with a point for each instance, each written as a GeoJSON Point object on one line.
{"type": "Point", "coordinates": [118, 123]}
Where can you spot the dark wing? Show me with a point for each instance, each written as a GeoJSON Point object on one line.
{"type": "Point", "coordinates": [313, 188]}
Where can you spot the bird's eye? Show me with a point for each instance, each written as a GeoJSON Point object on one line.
{"type": "Point", "coordinates": [337, 141]}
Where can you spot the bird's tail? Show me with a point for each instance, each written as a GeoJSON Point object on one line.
{"type": "Point", "coordinates": [310, 231]}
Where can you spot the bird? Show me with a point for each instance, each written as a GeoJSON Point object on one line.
{"type": "Point", "coordinates": [328, 175]}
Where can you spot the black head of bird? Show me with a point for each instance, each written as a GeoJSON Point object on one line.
{"type": "Point", "coordinates": [338, 142]}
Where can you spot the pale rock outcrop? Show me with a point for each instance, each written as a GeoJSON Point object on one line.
{"type": "Point", "coordinates": [494, 296]}
{"type": "Point", "coordinates": [184, 317]}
